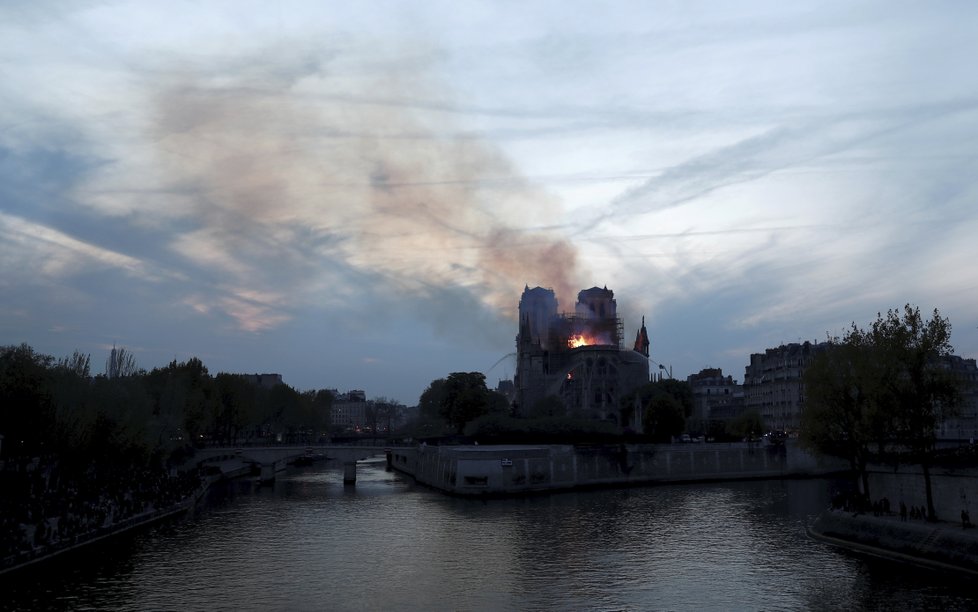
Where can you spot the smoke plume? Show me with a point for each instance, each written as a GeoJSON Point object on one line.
{"type": "Point", "coordinates": [287, 182]}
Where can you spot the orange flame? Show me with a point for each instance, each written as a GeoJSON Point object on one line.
{"type": "Point", "coordinates": [581, 340]}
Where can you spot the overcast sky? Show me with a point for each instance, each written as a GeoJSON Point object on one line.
{"type": "Point", "coordinates": [354, 195]}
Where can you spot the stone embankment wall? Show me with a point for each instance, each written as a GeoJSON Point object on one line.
{"type": "Point", "coordinates": [939, 545]}
{"type": "Point", "coordinates": [953, 490]}
{"type": "Point", "coordinates": [506, 470]}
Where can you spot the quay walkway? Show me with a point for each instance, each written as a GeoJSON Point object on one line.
{"type": "Point", "coordinates": [225, 463]}
{"type": "Point", "coordinates": [940, 545]}
{"type": "Point", "coordinates": [50, 550]}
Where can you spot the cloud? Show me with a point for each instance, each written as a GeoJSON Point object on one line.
{"type": "Point", "coordinates": [50, 254]}
{"type": "Point", "coordinates": [797, 143]}
{"type": "Point", "coordinates": [357, 181]}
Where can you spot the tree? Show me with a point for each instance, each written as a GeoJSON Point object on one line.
{"type": "Point", "coordinates": [665, 405]}
{"type": "Point", "coordinates": [663, 417]}
{"type": "Point", "coordinates": [550, 406]}
{"type": "Point", "coordinates": [199, 408]}
{"type": "Point", "coordinates": [282, 409]}
{"type": "Point", "coordinates": [845, 411]}
{"type": "Point", "coordinates": [747, 425]}
{"type": "Point", "coordinates": [77, 363]}
{"type": "Point", "coordinates": [885, 386]}
{"type": "Point", "coordinates": [920, 389]}
{"type": "Point", "coordinates": [71, 396]}
{"type": "Point", "coordinates": [122, 411]}
{"type": "Point", "coordinates": [679, 390]}
{"type": "Point", "coordinates": [184, 400]}
{"type": "Point", "coordinates": [308, 421]}
{"type": "Point", "coordinates": [322, 406]}
{"type": "Point", "coordinates": [428, 421]}
{"type": "Point", "coordinates": [120, 363]}
{"type": "Point", "coordinates": [429, 404]}
{"type": "Point", "coordinates": [26, 411]}
{"type": "Point", "coordinates": [498, 404]}
{"type": "Point", "coordinates": [386, 414]}
{"type": "Point", "coordinates": [465, 398]}
{"type": "Point", "coordinates": [235, 406]}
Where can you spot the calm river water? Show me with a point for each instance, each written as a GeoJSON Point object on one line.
{"type": "Point", "coordinates": [308, 543]}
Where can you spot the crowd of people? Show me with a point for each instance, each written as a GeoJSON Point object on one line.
{"type": "Point", "coordinates": [47, 506]}
{"type": "Point", "coordinates": [851, 501]}
{"type": "Point", "coordinates": [915, 513]}
{"type": "Point", "coordinates": [859, 503]}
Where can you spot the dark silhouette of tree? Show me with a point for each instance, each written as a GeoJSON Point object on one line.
{"type": "Point", "coordinates": [26, 410]}
{"type": "Point", "coordinates": [465, 398]}
{"type": "Point", "coordinates": [498, 404]}
{"type": "Point", "coordinates": [236, 406]}
{"type": "Point", "coordinates": [385, 414]}
{"type": "Point", "coordinates": [55, 409]}
{"type": "Point", "coordinates": [120, 363]}
{"type": "Point", "coordinates": [429, 404]}
{"type": "Point", "coordinates": [184, 401]}
{"type": "Point", "coordinates": [72, 402]}
{"type": "Point", "coordinates": [663, 417]}
{"type": "Point", "coordinates": [305, 423]}
{"type": "Point", "coordinates": [429, 421]}
{"type": "Point", "coordinates": [77, 363]}
{"type": "Point", "coordinates": [665, 406]}
{"type": "Point", "coordinates": [845, 406]}
{"type": "Point", "coordinates": [550, 406]}
{"type": "Point", "coordinates": [748, 425]}
{"type": "Point", "coordinates": [679, 390]}
{"type": "Point", "coordinates": [281, 408]}
{"type": "Point", "coordinates": [885, 387]}
{"type": "Point", "coordinates": [921, 390]}
{"type": "Point", "coordinates": [321, 408]}
{"type": "Point", "coordinates": [123, 412]}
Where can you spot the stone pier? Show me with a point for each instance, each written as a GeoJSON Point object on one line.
{"type": "Point", "coordinates": [516, 469]}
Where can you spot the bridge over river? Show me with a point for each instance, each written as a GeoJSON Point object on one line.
{"type": "Point", "coordinates": [273, 459]}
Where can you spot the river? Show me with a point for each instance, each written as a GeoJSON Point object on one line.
{"type": "Point", "coordinates": [309, 543]}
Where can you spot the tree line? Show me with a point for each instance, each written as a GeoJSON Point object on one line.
{"type": "Point", "coordinates": [461, 405]}
{"type": "Point", "coordinates": [880, 393]}
{"type": "Point", "coordinates": [52, 406]}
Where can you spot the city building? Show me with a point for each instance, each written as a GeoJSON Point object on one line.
{"type": "Point", "coordinates": [774, 386]}
{"type": "Point", "coordinates": [964, 425]}
{"type": "Point", "coordinates": [715, 397]}
{"type": "Point", "coordinates": [577, 357]}
{"type": "Point", "coordinates": [349, 411]}
{"type": "Point", "coordinates": [266, 381]}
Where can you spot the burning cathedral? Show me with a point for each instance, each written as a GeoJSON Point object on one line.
{"type": "Point", "coordinates": [578, 357]}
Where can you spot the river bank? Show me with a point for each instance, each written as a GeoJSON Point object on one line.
{"type": "Point", "coordinates": [55, 543]}
{"type": "Point", "coordinates": [309, 542]}
{"type": "Point", "coordinates": [940, 545]}
{"type": "Point", "coordinates": [46, 552]}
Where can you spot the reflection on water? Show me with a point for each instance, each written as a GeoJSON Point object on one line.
{"type": "Point", "coordinates": [309, 543]}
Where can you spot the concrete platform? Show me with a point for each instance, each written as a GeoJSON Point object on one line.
{"type": "Point", "coordinates": [941, 545]}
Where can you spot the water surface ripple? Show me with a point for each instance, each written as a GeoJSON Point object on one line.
{"type": "Point", "coordinates": [309, 543]}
